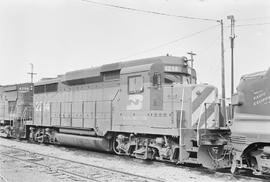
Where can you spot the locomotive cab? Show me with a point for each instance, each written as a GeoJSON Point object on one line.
{"type": "Point", "coordinates": [142, 90]}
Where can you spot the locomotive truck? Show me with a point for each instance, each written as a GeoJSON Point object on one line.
{"type": "Point", "coordinates": [150, 109]}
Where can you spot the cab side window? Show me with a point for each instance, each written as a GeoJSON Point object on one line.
{"type": "Point", "coordinates": [135, 84]}
{"type": "Point", "coordinates": [156, 79]}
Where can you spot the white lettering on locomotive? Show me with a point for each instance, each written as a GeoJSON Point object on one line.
{"type": "Point", "coordinates": [38, 106]}
{"type": "Point", "coordinates": [260, 97]}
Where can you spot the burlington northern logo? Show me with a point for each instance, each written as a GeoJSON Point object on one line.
{"type": "Point", "coordinates": [135, 102]}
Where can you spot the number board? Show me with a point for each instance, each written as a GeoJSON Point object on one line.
{"type": "Point", "coordinates": [24, 88]}
{"type": "Point", "coordinates": [171, 68]}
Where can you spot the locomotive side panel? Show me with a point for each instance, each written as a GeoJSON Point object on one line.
{"type": "Point", "coordinates": [72, 105]}
{"type": "Point", "coordinates": [252, 106]}
{"type": "Point", "coordinates": [55, 113]}
{"type": "Point", "coordinates": [103, 117]}
{"type": "Point", "coordinates": [133, 103]}
{"type": "Point", "coordinates": [177, 104]}
{"type": "Point", "coordinates": [46, 114]}
{"type": "Point", "coordinates": [89, 114]}
{"type": "Point", "coordinates": [3, 105]}
{"type": "Point", "coordinates": [37, 113]}
{"type": "Point", "coordinates": [76, 113]}
{"type": "Point", "coordinates": [65, 114]}
{"type": "Point", "coordinates": [44, 100]}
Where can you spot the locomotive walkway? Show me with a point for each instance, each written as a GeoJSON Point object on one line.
{"type": "Point", "coordinates": [71, 170]}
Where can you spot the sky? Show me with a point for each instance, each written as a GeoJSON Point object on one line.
{"type": "Point", "coordinates": [58, 36]}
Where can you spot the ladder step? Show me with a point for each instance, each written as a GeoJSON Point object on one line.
{"type": "Point", "coordinates": [193, 149]}
{"type": "Point", "coordinates": [192, 160]}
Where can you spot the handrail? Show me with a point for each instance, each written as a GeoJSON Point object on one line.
{"type": "Point", "coordinates": [226, 114]}
{"type": "Point", "coordinates": [115, 95]}
{"type": "Point", "coordinates": [205, 119]}
{"type": "Point", "coordinates": [180, 127]}
{"type": "Point", "coordinates": [198, 127]}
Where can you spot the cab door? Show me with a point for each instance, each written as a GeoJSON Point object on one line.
{"type": "Point", "coordinates": [134, 98]}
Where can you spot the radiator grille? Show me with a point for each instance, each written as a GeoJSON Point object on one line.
{"type": "Point", "coordinates": [238, 139]}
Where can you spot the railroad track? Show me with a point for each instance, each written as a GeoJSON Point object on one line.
{"type": "Point", "coordinates": [72, 170]}
{"type": "Point", "coordinates": [82, 172]}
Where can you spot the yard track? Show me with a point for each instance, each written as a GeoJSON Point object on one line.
{"type": "Point", "coordinates": [84, 172]}
{"type": "Point", "coordinates": [72, 170]}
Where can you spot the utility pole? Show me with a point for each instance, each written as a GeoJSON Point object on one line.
{"type": "Point", "coordinates": [232, 37]}
{"type": "Point", "coordinates": [191, 57]}
{"type": "Point", "coordinates": [223, 104]}
{"type": "Point", "coordinates": [32, 88]}
{"type": "Point", "coordinates": [32, 72]}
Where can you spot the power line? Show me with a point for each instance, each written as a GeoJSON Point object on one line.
{"type": "Point", "coordinates": [252, 24]}
{"type": "Point", "coordinates": [149, 12]}
{"type": "Point", "coordinates": [210, 45]}
{"type": "Point", "coordinates": [170, 42]}
{"type": "Point", "coordinates": [254, 18]}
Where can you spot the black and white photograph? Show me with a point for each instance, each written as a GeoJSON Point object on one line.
{"type": "Point", "coordinates": [134, 90]}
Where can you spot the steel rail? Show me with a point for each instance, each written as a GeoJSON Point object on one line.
{"type": "Point", "coordinates": [225, 173]}
{"type": "Point", "coordinates": [47, 166]}
{"type": "Point", "coordinates": [75, 162]}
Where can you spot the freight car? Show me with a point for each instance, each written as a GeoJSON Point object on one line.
{"type": "Point", "coordinates": [15, 108]}
{"type": "Point", "coordinates": [149, 108]}
{"type": "Point", "coordinates": [251, 124]}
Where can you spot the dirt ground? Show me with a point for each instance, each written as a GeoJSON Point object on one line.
{"type": "Point", "coordinates": [18, 171]}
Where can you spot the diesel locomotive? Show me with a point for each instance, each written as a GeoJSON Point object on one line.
{"type": "Point", "coordinates": [151, 109]}
{"type": "Point", "coordinates": [15, 108]}
{"type": "Point", "coordinates": [251, 124]}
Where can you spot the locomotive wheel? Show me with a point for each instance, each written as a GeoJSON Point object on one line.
{"type": "Point", "coordinates": [39, 138]}
{"type": "Point", "coordinates": [116, 150]}
{"type": "Point", "coordinates": [115, 147]}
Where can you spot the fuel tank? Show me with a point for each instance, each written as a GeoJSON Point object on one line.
{"type": "Point", "coordinates": [86, 142]}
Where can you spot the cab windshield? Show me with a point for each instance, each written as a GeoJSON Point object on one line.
{"type": "Point", "coordinates": [171, 78]}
